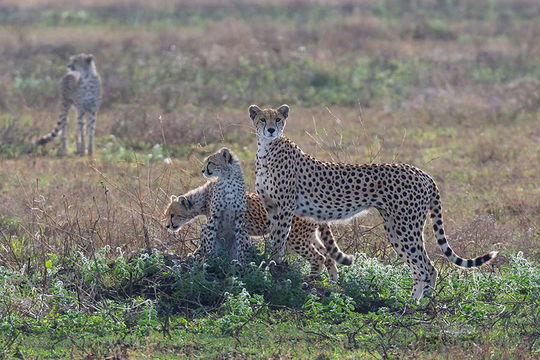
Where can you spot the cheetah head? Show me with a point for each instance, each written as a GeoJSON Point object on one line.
{"type": "Point", "coordinates": [81, 62]}
{"type": "Point", "coordinates": [179, 212]}
{"type": "Point", "coordinates": [269, 123]}
{"type": "Point", "coordinates": [218, 164]}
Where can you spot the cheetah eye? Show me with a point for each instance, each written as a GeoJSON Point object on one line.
{"type": "Point", "coordinates": [278, 120]}
{"type": "Point", "coordinates": [263, 120]}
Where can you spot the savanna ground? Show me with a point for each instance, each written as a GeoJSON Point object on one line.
{"type": "Point", "coordinates": [449, 86]}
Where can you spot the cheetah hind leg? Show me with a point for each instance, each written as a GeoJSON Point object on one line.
{"type": "Point", "coordinates": [62, 150]}
{"type": "Point", "coordinates": [424, 274]}
{"type": "Point", "coordinates": [329, 262]}
{"type": "Point", "coordinates": [429, 286]}
{"type": "Point", "coordinates": [303, 241]}
{"type": "Point", "coordinates": [331, 267]}
{"type": "Point", "coordinates": [424, 282]}
{"type": "Point", "coordinates": [63, 137]}
{"type": "Point", "coordinates": [316, 260]}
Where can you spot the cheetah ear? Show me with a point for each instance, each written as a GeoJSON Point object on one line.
{"type": "Point", "coordinates": [227, 155]}
{"type": "Point", "coordinates": [89, 58]}
{"type": "Point", "coordinates": [284, 110]}
{"type": "Point", "coordinates": [185, 202]}
{"type": "Point", "coordinates": [174, 198]}
{"type": "Point", "coordinates": [253, 111]}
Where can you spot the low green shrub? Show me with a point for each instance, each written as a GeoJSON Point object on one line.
{"type": "Point", "coordinates": [111, 296]}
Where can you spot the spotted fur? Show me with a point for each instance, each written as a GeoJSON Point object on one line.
{"type": "Point", "coordinates": [80, 86]}
{"type": "Point", "coordinates": [225, 229]}
{"type": "Point", "coordinates": [290, 182]}
{"type": "Point", "coordinates": [314, 242]}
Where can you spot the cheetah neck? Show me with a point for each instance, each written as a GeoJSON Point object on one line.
{"type": "Point", "coordinates": [89, 75]}
{"type": "Point", "coordinates": [200, 197]}
{"type": "Point", "coordinates": [235, 176]}
{"type": "Point", "coordinates": [263, 145]}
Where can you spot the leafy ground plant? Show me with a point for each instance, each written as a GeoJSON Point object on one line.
{"type": "Point", "coordinates": [116, 305]}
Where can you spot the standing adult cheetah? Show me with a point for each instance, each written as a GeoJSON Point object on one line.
{"type": "Point", "coordinates": [291, 182]}
{"type": "Point", "coordinates": [80, 86]}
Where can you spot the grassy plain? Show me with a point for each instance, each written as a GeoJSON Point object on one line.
{"type": "Point", "coordinates": [452, 87]}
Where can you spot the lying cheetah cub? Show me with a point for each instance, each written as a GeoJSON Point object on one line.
{"type": "Point", "coordinates": [303, 239]}
{"type": "Point", "coordinates": [290, 182]}
{"type": "Point", "coordinates": [80, 86]}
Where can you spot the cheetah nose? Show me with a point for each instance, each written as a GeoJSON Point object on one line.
{"type": "Point", "coordinates": [271, 130]}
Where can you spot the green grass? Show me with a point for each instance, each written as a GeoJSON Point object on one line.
{"type": "Point", "coordinates": [103, 307]}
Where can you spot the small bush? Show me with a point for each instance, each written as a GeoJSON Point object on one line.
{"type": "Point", "coordinates": [36, 90]}
{"type": "Point", "coordinates": [373, 285]}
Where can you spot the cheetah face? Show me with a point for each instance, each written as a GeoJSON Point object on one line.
{"type": "Point", "coordinates": [80, 62]}
{"type": "Point", "coordinates": [269, 123]}
{"type": "Point", "coordinates": [179, 212]}
{"type": "Point", "coordinates": [218, 164]}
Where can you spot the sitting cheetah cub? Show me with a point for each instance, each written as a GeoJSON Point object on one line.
{"type": "Point", "coordinates": [225, 230]}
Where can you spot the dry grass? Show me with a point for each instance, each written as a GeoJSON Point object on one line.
{"type": "Point", "coordinates": [454, 92]}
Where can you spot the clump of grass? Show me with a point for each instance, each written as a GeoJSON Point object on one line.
{"type": "Point", "coordinates": [15, 135]}
{"type": "Point", "coordinates": [111, 295]}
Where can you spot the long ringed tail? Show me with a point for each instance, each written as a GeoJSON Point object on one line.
{"type": "Point", "coordinates": [332, 247]}
{"type": "Point", "coordinates": [59, 126]}
{"type": "Point", "coordinates": [438, 229]}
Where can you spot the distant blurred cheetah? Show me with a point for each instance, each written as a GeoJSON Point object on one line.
{"type": "Point", "coordinates": [80, 86]}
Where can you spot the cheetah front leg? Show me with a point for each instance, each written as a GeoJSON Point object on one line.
{"type": "Point", "coordinates": [207, 241]}
{"type": "Point", "coordinates": [280, 225]}
{"type": "Point", "coordinates": [80, 133]}
{"type": "Point", "coordinates": [242, 243]}
{"type": "Point", "coordinates": [90, 130]}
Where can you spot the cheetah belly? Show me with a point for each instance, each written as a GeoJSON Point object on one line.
{"type": "Point", "coordinates": [88, 95]}
{"type": "Point", "coordinates": [318, 210]}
